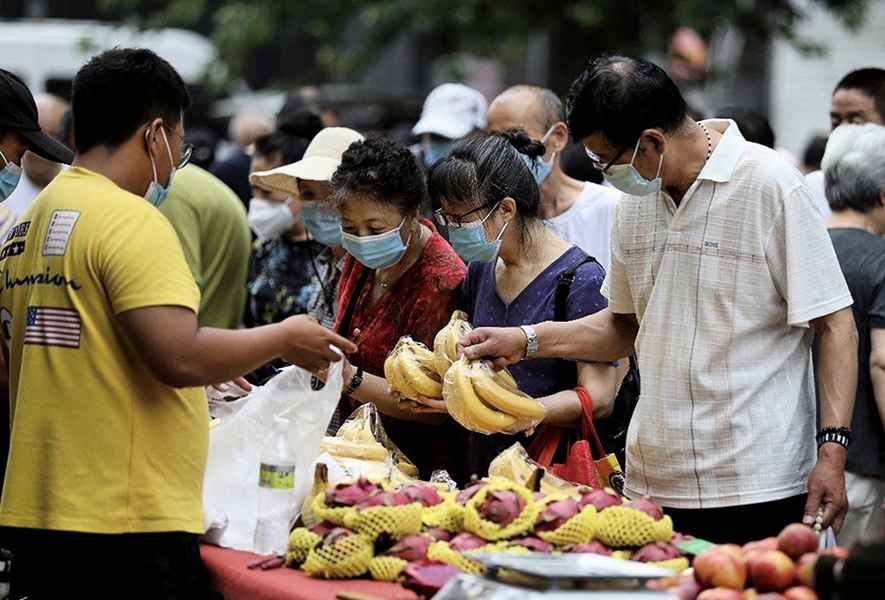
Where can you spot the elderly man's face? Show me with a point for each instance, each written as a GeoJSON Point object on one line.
{"type": "Point", "coordinates": [853, 106]}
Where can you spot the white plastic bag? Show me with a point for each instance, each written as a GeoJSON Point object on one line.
{"type": "Point", "coordinates": [230, 487]}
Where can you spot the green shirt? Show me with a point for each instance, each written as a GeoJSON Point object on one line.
{"type": "Point", "coordinates": [213, 229]}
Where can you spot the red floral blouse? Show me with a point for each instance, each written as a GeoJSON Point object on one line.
{"type": "Point", "coordinates": [419, 304]}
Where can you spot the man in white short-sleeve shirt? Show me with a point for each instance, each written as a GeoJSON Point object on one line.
{"type": "Point", "coordinates": [722, 273]}
{"type": "Point", "coordinates": [579, 212]}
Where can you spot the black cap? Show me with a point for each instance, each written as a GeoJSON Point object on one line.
{"type": "Point", "coordinates": [18, 113]}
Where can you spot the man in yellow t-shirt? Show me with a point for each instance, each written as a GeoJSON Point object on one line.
{"type": "Point", "coordinates": [99, 328]}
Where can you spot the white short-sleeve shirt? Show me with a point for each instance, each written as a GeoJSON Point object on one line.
{"type": "Point", "coordinates": [723, 287]}
{"type": "Point", "coordinates": [588, 222]}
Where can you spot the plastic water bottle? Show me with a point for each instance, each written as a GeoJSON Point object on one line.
{"type": "Point", "coordinates": [276, 486]}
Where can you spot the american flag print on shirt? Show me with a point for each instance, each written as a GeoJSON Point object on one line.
{"type": "Point", "coordinates": [53, 327]}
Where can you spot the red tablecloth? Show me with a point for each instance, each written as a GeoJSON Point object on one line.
{"type": "Point", "coordinates": [228, 574]}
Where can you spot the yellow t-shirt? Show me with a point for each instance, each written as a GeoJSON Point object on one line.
{"type": "Point", "coordinates": [98, 443]}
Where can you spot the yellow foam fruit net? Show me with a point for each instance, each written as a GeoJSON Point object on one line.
{"type": "Point", "coordinates": [332, 514]}
{"type": "Point", "coordinates": [619, 526]}
{"type": "Point", "coordinates": [674, 564]}
{"type": "Point", "coordinates": [395, 521]}
{"type": "Point", "coordinates": [439, 515]}
{"type": "Point", "coordinates": [301, 542]}
{"type": "Point", "coordinates": [488, 530]}
{"type": "Point", "coordinates": [577, 530]}
{"type": "Point", "coordinates": [347, 557]}
{"type": "Point", "coordinates": [442, 552]}
{"type": "Point", "coordinates": [386, 568]}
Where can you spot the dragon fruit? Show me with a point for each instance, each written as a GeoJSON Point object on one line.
{"type": "Point", "coordinates": [385, 499]}
{"type": "Point", "coordinates": [438, 534]}
{"type": "Point", "coordinates": [427, 577]}
{"type": "Point", "coordinates": [501, 507]}
{"type": "Point", "coordinates": [534, 544]}
{"type": "Point", "coordinates": [647, 506]}
{"type": "Point", "coordinates": [601, 499]}
{"type": "Point", "coordinates": [425, 494]}
{"type": "Point", "coordinates": [678, 538]}
{"type": "Point", "coordinates": [463, 542]}
{"type": "Point", "coordinates": [555, 514]}
{"type": "Point", "coordinates": [656, 552]}
{"type": "Point", "coordinates": [469, 492]}
{"type": "Point", "coordinates": [336, 535]}
{"type": "Point", "coordinates": [593, 547]}
{"type": "Point", "coordinates": [351, 494]}
{"type": "Point", "coordinates": [411, 547]}
{"type": "Point", "coordinates": [321, 529]}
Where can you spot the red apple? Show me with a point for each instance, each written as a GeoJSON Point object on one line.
{"type": "Point", "coordinates": [715, 568]}
{"type": "Point", "coordinates": [796, 540]}
{"type": "Point", "coordinates": [772, 571]}
{"type": "Point", "coordinates": [720, 593]}
{"type": "Point", "coordinates": [805, 568]}
{"type": "Point", "coordinates": [732, 550]}
{"type": "Point", "coordinates": [769, 543]}
{"type": "Point", "coordinates": [800, 592]}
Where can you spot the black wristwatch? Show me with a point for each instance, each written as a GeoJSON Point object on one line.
{"type": "Point", "coordinates": [355, 382]}
{"type": "Point", "coordinates": [835, 435]}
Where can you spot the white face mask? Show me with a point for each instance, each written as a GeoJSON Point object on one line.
{"type": "Point", "coordinates": [629, 180]}
{"type": "Point", "coordinates": [269, 220]}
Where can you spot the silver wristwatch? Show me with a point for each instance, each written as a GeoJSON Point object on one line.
{"type": "Point", "coordinates": [531, 340]}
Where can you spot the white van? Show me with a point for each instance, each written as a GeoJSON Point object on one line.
{"type": "Point", "coordinates": [47, 53]}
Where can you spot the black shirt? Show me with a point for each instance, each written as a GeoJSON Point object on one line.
{"type": "Point", "coordinates": [234, 172]}
{"type": "Point", "coordinates": [862, 258]}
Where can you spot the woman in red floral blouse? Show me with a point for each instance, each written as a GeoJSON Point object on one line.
{"type": "Point", "coordinates": [400, 278]}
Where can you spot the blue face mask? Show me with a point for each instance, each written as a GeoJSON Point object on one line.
{"type": "Point", "coordinates": [628, 180]}
{"type": "Point", "coordinates": [323, 225]}
{"type": "Point", "coordinates": [156, 192]}
{"type": "Point", "coordinates": [9, 178]}
{"type": "Point", "coordinates": [540, 169]}
{"type": "Point", "coordinates": [469, 240]}
{"type": "Point", "coordinates": [376, 251]}
{"type": "Point", "coordinates": [434, 151]}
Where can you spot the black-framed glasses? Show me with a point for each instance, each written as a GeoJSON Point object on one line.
{"type": "Point", "coordinates": [597, 164]}
{"type": "Point", "coordinates": [447, 220]}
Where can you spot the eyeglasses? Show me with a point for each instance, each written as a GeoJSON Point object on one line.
{"type": "Point", "coordinates": [597, 164]}
{"type": "Point", "coordinates": [187, 149]}
{"type": "Point", "coordinates": [447, 220]}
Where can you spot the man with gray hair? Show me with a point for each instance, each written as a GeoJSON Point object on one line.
{"type": "Point", "coordinates": [580, 212]}
{"type": "Point", "coordinates": [854, 173]}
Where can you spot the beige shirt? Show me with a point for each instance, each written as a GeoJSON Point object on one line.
{"type": "Point", "coordinates": [724, 286]}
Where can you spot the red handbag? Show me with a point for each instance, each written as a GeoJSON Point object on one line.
{"type": "Point", "coordinates": [580, 465]}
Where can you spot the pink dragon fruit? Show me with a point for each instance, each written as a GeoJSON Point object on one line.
{"type": "Point", "coordinates": [411, 547]}
{"type": "Point", "coordinates": [425, 494]}
{"type": "Point", "coordinates": [427, 577]}
{"type": "Point", "coordinates": [321, 529]}
{"type": "Point", "coordinates": [464, 542]}
{"type": "Point", "coordinates": [593, 547]}
{"type": "Point", "coordinates": [656, 552]}
{"type": "Point", "coordinates": [555, 514]}
{"type": "Point", "coordinates": [678, 538]}
{"type": "Point", "coordinates": [501, 507]}
{"type": "Point", "coordinates": [351, 494]}
{"type": "Point", "coordinates": [385, 499]}
{"type": "Point", "coordinates": [336, 535]}
{"type": "Point", "coordinates": [648, 507]}
{"type": "Point", "coordinates": [534, 544]}
{"type": "Point", "coordinates": [601, 499]}
{"type": "Point", "coordinates": [440, 535]}
{"type": "Point", "coordinates": [469, 492]}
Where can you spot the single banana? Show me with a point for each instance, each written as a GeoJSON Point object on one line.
{"type": "Point", "coordinates": [506, 380]}
{"type": "Point", "coordinates": [483, 418]}
{"type": "Point", "coordinates": [506, 400]}
{"type": "Point", "coordinates": [459, 329]}
{"type": "Point", "coordinates": [411, 365]}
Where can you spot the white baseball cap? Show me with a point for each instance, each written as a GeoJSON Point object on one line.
{"type": "Point", "coordinates": [319, 162]}
{"type": "Point", "coordinates": [452, 110]}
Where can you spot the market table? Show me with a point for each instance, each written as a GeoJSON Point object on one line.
{"type": "Point", "coordinates": [228, 574]}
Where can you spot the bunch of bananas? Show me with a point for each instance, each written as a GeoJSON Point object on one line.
{"type": "Point", "coordinates": [445, 344]}
{"type": "Point", "coordinates": [477, 398]}
{"type": "Point", "coordinates": [410, 370]}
